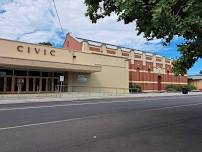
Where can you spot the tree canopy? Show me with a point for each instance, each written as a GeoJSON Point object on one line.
{"type": "Point", "coordinates": [159, 19]}
{"type": "Point", "coordinates": [46, 43]}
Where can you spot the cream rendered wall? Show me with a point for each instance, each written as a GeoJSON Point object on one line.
{"type": "Point", "coordinates": [197, 83]}
{"type": "Point", "coordinates": [114, 70]}
{"type": "Point", "coordinates": [9, 49]}
{"type": "Point", "coordinates": [114, 76]}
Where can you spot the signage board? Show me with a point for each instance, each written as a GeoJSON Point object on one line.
{"type": "Point", "coordinates": [82, 78]}
{"type": "Point", "coordinates": [62, 78]}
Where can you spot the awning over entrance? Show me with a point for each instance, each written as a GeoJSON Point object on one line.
{"type": "Point", "coordinates": [56, 66]}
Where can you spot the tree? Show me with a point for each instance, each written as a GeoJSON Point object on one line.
{"type": "Point", "coordinates": [159, 19]}
{"type": "Point", "coordinates": [200, 72]}
{"type": "Point", "coordinates": [46, 43]}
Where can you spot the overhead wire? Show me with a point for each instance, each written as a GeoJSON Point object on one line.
{"type": "Point", "coordinates": [58, 17]}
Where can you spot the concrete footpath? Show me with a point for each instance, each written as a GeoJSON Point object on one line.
{"type": "Point", "coordinates": [71, 97]}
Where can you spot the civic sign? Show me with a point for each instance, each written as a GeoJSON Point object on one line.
{"type": "Point", "coordinates": [36, 50]}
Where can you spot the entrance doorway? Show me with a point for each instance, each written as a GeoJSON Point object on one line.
{"type": "Point", "coordinates": [20, 84]}
{"type": "Point", "coordinates": [24, 81]}
{"type": "Point", "coordinates": [37, 85]}
{"type": "Point", "coordinates": [159, 83]}
{"type": "Point", "coordinates": [44, 84]}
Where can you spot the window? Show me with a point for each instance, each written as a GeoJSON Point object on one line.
{"type": "Point", "coordinates": [149, 74]}
{"type": "Point", "coordinates": [4, 72]}
{"type": "Point", "coordinates": [20, 73]}
{"type": "Point", "coordinates": [34, 73]}
{"type": "Point", "coordinates": [58, 74]}
{"type": "Point", "coordinates": [138, 74]}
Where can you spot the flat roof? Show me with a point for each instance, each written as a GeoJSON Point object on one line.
{"type": "Point", "coordinates": [118, 46]}
{"type": "Point", "coordinates": [195, 77]}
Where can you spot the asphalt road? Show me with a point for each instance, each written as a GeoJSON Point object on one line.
{"type": "Point", "coordinates": [163, 124]}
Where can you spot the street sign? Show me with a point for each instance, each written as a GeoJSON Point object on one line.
{"type": "Point", "coordinates": [62, 78]}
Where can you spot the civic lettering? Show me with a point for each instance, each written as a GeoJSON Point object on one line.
{"type": "Point", "coordinates": [52, 52]}
{"type": "Point", "coordinates": [44, 52]}
{"type": "Point", "coordinates": [28, 50]}
{"type": "Point", "coordinates": [35, 50]}
{"type": "Point", "coordinates": [20, 48]}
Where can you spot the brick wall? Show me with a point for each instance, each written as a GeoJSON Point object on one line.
{"type": "Point", "coordinates": [142, 67]}
{"type": "Point", "coordinates": [72, 44]}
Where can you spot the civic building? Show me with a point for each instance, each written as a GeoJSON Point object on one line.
{"type": "Point", "coordinates": [81, 65]}
{"type": "Point", "coordinates": [151, 72]}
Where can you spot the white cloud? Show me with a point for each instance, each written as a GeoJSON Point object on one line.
{"type": "Point", "coordinates": [35, 21]}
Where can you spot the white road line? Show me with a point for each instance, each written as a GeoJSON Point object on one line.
{"type": "Point", "coordinates": [91, 103]}
{"type": "Point", "coordinates": [172, 107]}
{"type": "Point", "coordinates": [49, 122]}
{"type": "Point", "coordinates": [82, 118]}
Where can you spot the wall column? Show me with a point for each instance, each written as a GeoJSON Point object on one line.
{"type": "Point", "coordinates": [85, 47]}
{"type": "Point", "coordinates": [46, 84]}
{"type": "Point", "coordinates": [34, 84]}
{"type": "Point", "coordinates": [40, 82]}
{"type": "Point", "coordinates": [13, 83]}
{"type": "Point", "coordinates": [144, 59]}
{"type": "Point", "coordinates": [164, 64]}
{"type": "Point", "coordinates": [119, 52]}
{"type": "Point", "coordinates": [104, 49]}
{"type": "Point", "coordinates": [70, 81]}
{"type": "Point", "coordinates": [132, 57]}
{"type": "Point", "coordinates": [52, 82]}
{"type": "Point", "coordinates": [27, 82]}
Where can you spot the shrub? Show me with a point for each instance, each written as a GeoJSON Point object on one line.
{"type": "Point", "coordinates": [170, 89]}
{"type": "Point", "coordinates": [190, 87]}
{"type": "Point", "coordinates": [177, 87]}
{"type": "Point", "coordinates": [173, 87]}
{"type": "Point", "coordinates": [135, 88]}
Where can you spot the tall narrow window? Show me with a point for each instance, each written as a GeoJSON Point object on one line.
{"type": "Point", "coordinates": [138, 74]}
{"type": "Point", "coordinates": [149, 74]}
{"type": "Point", "coordinates": [168, 76]}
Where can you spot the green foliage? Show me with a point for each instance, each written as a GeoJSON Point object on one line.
{"type": "Point", "coordinates": [191, 87]}
{"type": "Point", "coordinates": [201, 72]}
{"type": "Point", "coordinates": [175, 87]}
{"type": "Point", "coordinates": [134, 88]}
{"type": "Point", "coordinates": [159, 19]}
{"type": "Point", "coordinates": [46, 43]}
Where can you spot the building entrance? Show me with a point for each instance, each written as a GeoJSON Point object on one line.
{"type": "Point", "coordinates": [18, 81]}
{"type": "Point", "coordinates": [159, 83]}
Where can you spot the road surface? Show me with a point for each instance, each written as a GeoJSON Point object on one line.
{"type": "Point", "coordinates": [158, 124]}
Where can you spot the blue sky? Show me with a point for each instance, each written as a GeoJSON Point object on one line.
{"type": "Point", "coordinates": [35, 21]}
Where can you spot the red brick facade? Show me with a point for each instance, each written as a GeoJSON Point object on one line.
{"type": "Point", "coordinates": [72, 44]}
{"type": "Point", "coordinates": [151, 72]}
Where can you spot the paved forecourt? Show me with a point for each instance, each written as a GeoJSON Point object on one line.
{"type": "Point", "coordinates": [35, 98]}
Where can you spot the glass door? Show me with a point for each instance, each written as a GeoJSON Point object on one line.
{"type": "Point", "coordinates": [37, 84]}
{"type": "Point", "coordinates": [49, 84]}
{"type": "Point", "coordinates": [31, 84]}
{"type": "Point", "coordinates": [44, 84]}
{"type": "Point", "coordinates": [1, 84]}
{"type": "Point", "coordinates": [9, 84]}
{"type": "Point", "coordinates": [20, 84]}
